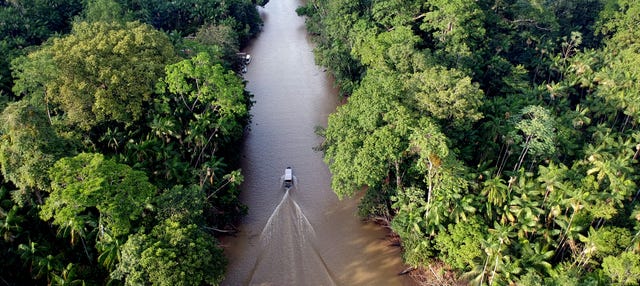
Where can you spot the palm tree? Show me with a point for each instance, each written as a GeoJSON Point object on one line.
{"type": "Point", "coordinates": [10, 223]}
{"type": "Point", "coordinates": [535, 257]}
{"type": "Point", "coordinates": [552, 179]}
{"type": "Point", "coordinates": [502, 235]}
{"type": "Point", "coordinates": [496, 263]}
{"type": "Point", "coordinates": [496, 192]}
{"type": "Point", "coordinates": [576, 201]}
{"type": "Point", "coordinates": [527, 213]}
{"type": "Point", "coordinates": [41, 264]}
{"type": "Point", "coordinates": [109, 248]}
{"type": "Point", "coordinates": [67, 277]}
{"type": "Point", "coordinates": [113, 138]}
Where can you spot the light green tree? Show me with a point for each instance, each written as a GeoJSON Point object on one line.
{"type": "Point", "coordinates": [215, 97]}
{"type": "Point", "coordinates": [172, 254]}
{"type": "Point", "coordinates": [88, 181]}
{"type": "Point", "coordinates": [623, 269]}
{"type": "Point", "coordinates": [104, 71]}
{"type": "Point", "coordinates": [460, 245]}
{"type": "Point", "coordinates": [535, 132]}
{"type": "Point", "coordinates": [447, 95]}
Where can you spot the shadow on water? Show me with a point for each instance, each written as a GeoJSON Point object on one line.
{"type": "Point", "coordinates": [288, 251]}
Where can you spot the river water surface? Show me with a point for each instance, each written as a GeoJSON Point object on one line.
{"type": "Point", "coordinates": [302, 236]}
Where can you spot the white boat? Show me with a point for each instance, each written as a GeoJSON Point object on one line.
{"type": "Point", "coordinates": [245, 60]}
{"type": "Point", "coordinates": [287, 181]}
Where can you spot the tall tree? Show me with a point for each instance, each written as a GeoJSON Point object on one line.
{"type": "Point", "coordinates": [447, 95]}
{"type": "Point", "coordinates": [364, 138]}
{"type": "Point", "coordinates": [105, 71]}
{"type": "Point", "coordinates": [535, 132]}
{"type": "Point", "coordinates": [28, 148]}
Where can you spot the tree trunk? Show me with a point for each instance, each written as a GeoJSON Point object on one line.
{"type": "Point", "coordinates": [493, 273]}
{"type": "Point", "coordinates": [398, 177]}
{"type": "Point", "coordinates": [523, 154]}
{"type": "Point", "coordinates": [430, 187]}
{"type": "Point", "coordinates": [484, 268]}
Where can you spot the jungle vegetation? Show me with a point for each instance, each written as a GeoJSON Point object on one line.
{"type": "Point", "coordinates": [497, 137]}
{"type": "Point", "coordinates": [118, 126]}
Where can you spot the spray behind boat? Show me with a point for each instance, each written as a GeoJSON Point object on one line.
{"type": "Point", "coordinates": [288, 245]}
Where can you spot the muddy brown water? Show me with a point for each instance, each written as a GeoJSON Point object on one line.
{"type": "Point", "coordinates": [303, 236]}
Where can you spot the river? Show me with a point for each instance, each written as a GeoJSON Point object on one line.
{"type": "Point", "coordinates": [303, 236]}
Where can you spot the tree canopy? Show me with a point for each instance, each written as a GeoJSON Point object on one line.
{"type": "Point", "coordinates": [87, 181]}
{"type": "Point", "coordinates": [105, 71]}
{"type": "Point", "coordinates": [119, 127]}
{"type": "Point", "coordinates": [498, 137]}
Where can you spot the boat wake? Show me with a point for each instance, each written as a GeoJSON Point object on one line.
{"type": "Point", "coordinates": [289, 256]}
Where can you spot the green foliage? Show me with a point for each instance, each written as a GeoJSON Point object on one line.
{"type": "Point", "coordinates": [617, 80]}
{"type": "Point", "coordinates": [179, 202]}
{"type": "Point", "coordinates": [103, 11]}
{"type": "Point", "coordinates": [216, 97]}
{"type": "Point", "coordinates": [534, 132]}
{"type": "Point", "coordinates": [457, 29]}
{"type": "Point", "coordinates": [460, 245]}
{"type": "Point", "coordinates": [94, 90]}
{"type": "Point", "coordinates": [448, 95]}
{"type": "Point", "coordinates": [623, 269]}
{"type": "Point", "coordinates": [618, 16]}
{"type": "Point", "coordinates": [606, 241]}
{"type": "Point", "coordinates": [105, 71]}
{"type": "Point", "coordinates": [198, 116]}
{"type": "Point", "coordinates": [409, 224]}
{"type": "Point", "coordinates": [29, 146]}
{"type": "Point", "coordinates": [224, 38]}
{"type": "Point", "coordinates": [172, 254]}
{"type": "Point", "coordinates": [32, 72]}
{"type": "Point", "coordinates": [444, 95]}
{"type": "Point", "coordinates": [187, 16]}
{"type": "Point", "coordinates": [537, 127]}
{"type": "Point", "coordinates": [30, 22]}
{"type": "Point", "coordinates": [333, 21]}
{"type": "Point", "coordinates": [392, 50]}
{"type": "Point", "coordinates": [361, 141]}
{"type": "Point", "coordinates": [87, 181]}
{"type": "Point", "coordinates": [375, 203]}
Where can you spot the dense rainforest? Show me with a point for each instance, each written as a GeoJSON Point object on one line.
{"type": "Point", "coordinates": [119, 126]}
{"type": "Point", "coordinates": [498, 138]}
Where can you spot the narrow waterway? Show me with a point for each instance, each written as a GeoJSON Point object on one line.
{"type": "Point", "coordinates": [305, 235]}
